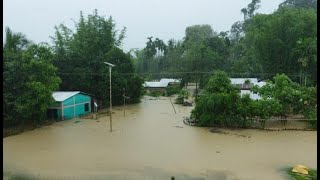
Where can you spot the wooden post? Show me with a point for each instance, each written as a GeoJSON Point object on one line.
{"type": "Point", "coordinates": [124, 101]}
{"type": "Point", "coordinates": [95, 108]}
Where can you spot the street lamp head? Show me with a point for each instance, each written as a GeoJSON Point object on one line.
{"type": "Point", "coordinates": [109, 64]}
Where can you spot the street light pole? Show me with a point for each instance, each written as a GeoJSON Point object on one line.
{"type": "Point", "coordinates": [110, 100]}
{"type": "Point", "coordinates": [110, 67]}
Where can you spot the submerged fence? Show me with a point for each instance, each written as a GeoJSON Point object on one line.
{"type": "Point", "coordinates": [267, 124]}
{"type": "Point", "coordinates": [291, 124]}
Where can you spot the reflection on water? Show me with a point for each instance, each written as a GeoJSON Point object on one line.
{"type": "Point", "coordinates": [151, 142]}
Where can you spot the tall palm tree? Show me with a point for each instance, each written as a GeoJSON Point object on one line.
{"type": "Point", "coordinates": [13, 47]}
{"type": "Point", "coordinates": [15, 41]}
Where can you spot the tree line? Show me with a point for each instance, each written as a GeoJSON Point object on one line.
{"type": "Point", "coordinates": [222, 105]}
{"type": "Point", "coordinates": [261, 46]}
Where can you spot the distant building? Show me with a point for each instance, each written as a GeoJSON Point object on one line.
{"type": "Point", "coordinates": [161, 85]}
{"type": "Point", "coordinates": [69, 104]}
{"type": "Point", "coordinates": [246, 84]}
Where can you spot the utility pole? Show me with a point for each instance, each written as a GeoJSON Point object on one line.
{"type": "Point", "coordinates": [124, 101]}
{"type": "Point", "coordinates": [110, 67]}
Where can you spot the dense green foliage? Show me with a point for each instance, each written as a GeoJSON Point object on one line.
{"type": "Point", "coordinates": [182, 96]}
{"type": "Point", "coordinates": [284, 42]}
{"type": "Point", "coordinates": [171, 90]}
{"type": "Point", "coordinates": [294, 99]}
{"type": "Point", "coordinates": [261, 45]}
{"type": "Point", "coordinates": [80, 58]}
{"type": "Point", "coordinates": [222, 105]}
{"type": "Point", "coordinates": [217, 106]}
{"type": "Point", "coordinates": [29, 79]}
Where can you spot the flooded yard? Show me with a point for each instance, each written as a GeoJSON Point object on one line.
{"type": "Point", "coordinates": [152, 142]}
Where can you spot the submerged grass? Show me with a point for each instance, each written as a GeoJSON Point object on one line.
{"type": "Point", "coordinates": [297, 176]}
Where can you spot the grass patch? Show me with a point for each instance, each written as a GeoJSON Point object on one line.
{"type": "Point", "coordinates": [297, 176]}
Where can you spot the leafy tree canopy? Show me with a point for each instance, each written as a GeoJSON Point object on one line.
{"type": "Point", "coordinates": [29, 79]}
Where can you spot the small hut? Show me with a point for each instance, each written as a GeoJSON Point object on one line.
{"type": "Point", "coordinates": [69, 104]}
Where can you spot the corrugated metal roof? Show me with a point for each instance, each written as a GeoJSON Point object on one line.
{"type": "Point", "coordinates": [163, 83]}
{"type": "Point", "coordinates": [155, 84]}
{"type": "Point", "coordinates": [169, 80]}
{"type": "Point", "coordinates": [242, 80]}
{"type": "Point", "coordinates": [63, 95]}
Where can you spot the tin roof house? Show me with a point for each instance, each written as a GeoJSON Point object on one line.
{"type": "Point", "coordinates": [246, 84]}
{"type": "Point", "coordinates": [161, 85]}
{"type": "Point", "coordinates": [69, 104]}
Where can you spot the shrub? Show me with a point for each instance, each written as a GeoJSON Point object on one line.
{"type": "Point", "coordinates": [183, 94]}
{"type": "Point", "coordinates": [311, 115]}
{"type": "Point", "coordinates": [217, 109]}
{"type": "Point", "coordinates": [221, 104]}
{"type": "Point", "coordinates": [170, 90]}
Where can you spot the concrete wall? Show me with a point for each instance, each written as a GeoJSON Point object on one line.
{"type": "Point", "coordinates": [75, 106]}
{"type": "Point", "coordinates": [80, 98]}
{"type": "Point", "coordinates": [68, 112]}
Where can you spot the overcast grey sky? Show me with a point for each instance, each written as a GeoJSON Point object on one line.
{"type": "Point", "coordinates": [164, 19]}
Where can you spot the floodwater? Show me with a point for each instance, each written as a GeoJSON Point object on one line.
{"type": "Point", "coordinates": [151, 142]}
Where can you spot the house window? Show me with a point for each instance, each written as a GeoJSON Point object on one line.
{"type": "Point", "coordinates": [86, 107]}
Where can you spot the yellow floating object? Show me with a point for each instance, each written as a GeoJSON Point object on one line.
{"type": "Point", "coordinates": [300, 169]}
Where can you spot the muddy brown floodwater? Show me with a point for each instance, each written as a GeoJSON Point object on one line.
{"type": "Point", "coordinates": [151, 142]}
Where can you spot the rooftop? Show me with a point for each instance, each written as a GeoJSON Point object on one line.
{"type": "Point", "coordinates": [163, 83]}
{"type": "Point", "coordinates": [63, 95]}
{"type": "Point", "coordinates": [242, 80]}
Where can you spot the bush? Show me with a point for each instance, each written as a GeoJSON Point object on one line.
{"type": "Point", "coordinates": [264, 109]}
{"type": "Point", "coordinates": [183, 94]}
{"type": "Point", "coordinates": [217, 109]}
{"type": "Point", "coordinates": [311, 115]}
{"type": "Point", "coordinates": [221, 104]}
{"type": "Point", "coordinates": [218, 105]}
{"type": "Point", "coordinates": [170, 90]}
{"type": "Point", "coordinates": [244, 109]}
